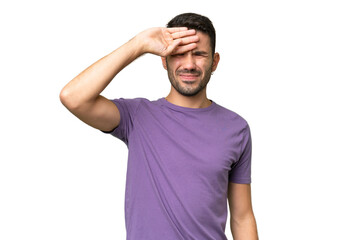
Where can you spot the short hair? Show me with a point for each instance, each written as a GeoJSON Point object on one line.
{"type": "Point", "coordinates": [197, 22]}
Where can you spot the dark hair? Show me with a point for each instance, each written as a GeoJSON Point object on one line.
{"type": "Point", "coordinates": [197, 22]}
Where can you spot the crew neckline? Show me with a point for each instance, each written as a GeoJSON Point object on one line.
{"type": "Point", "coordinates": [177, 107]}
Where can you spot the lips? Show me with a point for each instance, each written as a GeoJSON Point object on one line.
{"type": "Point", "coordinates": [189, 77]}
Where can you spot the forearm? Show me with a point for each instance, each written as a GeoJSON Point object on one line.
{"type": "Point", "coordinates": [244, 229]}
{"type": "Point", "coordinates": [87, 86]}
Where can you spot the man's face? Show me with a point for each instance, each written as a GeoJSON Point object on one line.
{"type": "Point", "coordinates": [190, 72]}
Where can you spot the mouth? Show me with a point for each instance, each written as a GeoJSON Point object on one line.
{"type": "Point", "coordinates": [189, 77]}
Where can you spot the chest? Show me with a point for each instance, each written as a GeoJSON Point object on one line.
{"type": "Point", "coordinates": [187, 146]}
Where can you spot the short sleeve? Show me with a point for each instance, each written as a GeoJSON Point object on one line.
{"type": "Point", "coordinates": [127, 109]}
{"type": "Point", "coordinates": [241, 170]}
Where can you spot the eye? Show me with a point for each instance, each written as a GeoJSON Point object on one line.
{"type": "Point", "coordinates": [200, 53]}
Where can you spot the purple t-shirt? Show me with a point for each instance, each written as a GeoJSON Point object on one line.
{"type": "Point", "coordinates": [179, 164]}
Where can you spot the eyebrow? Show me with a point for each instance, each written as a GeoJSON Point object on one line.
{"type": "Point", "coordinates": [200, 52]}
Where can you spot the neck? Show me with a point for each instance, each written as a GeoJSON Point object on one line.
{"type": "Point", "coordinates": [198, 101]}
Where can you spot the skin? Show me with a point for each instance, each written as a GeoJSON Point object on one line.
{"type": "Point", "coordinates": [190, 72]}
{"type": "Point", "coordinates": [186, 55]}
{"type": "Point", "coordinates": [242, 220]}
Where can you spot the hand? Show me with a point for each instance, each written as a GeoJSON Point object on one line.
{"type": "Point", "coordinates": [168, 41]}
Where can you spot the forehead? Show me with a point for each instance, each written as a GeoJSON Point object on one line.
{"type": "Point", "coordinates": [204, 41]}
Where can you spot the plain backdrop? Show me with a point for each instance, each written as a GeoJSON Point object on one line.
{"type": "Point", "coordinates": [290, 68]}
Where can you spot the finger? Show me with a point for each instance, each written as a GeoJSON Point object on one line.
{"type": "Point", "coordinates": [172, 47]}
{"type": "Point", "coordinates": [184, 48]}
{"type": "Point", "coordinates": [182, 34]}
{"type": "Point", "coordinates": [177, 29]}
{"type": "Point", "coordinates": [188, 40]}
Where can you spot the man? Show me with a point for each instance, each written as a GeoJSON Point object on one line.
{"type": "Point", "coordinates": [187, 154]}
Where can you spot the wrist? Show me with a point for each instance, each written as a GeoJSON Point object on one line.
{"type": "Point", "coordinates": [138, 44]}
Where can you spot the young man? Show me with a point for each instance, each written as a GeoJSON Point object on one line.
{"type": "Point", "coordinates": [187, 154]}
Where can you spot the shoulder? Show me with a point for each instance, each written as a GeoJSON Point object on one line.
{"type": "Point", "coordinates": [231, 116]}
{"type": "Point", "coordinates": [129, 100]}
{"type": "Point", "coordinates": [136, 104]}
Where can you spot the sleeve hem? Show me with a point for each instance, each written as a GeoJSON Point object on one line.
{"type": "Point", "coordinates": [241, 180]}
{"type": "Point", "coordinates": [120, 110]}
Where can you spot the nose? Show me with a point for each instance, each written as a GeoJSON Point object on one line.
{"type": "Point", "coordinates": [188, 61]}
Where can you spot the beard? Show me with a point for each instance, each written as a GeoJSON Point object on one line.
{"type": "Point", "coordinates": [190, 89]}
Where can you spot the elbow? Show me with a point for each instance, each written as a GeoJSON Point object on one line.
{"type": "Point", "coordinates": [243, 217]}
{"type": "Point", "coordinates": [68, 99]}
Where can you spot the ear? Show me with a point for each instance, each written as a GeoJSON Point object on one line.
{"type": "Point", "coordinates": [216, 60]}
{"type": "Point", "coordinates": [163, 59]}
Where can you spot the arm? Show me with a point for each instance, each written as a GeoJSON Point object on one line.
{"type": "Point", "coordinates": [82, 95]}
{"type": "Point", "coordinates": [242, 220]}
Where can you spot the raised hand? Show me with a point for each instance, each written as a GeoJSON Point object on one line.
{"type": "Point", "coordinates": [167, 41]}
{"type": "Point", "coordinates": [82, 94]}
